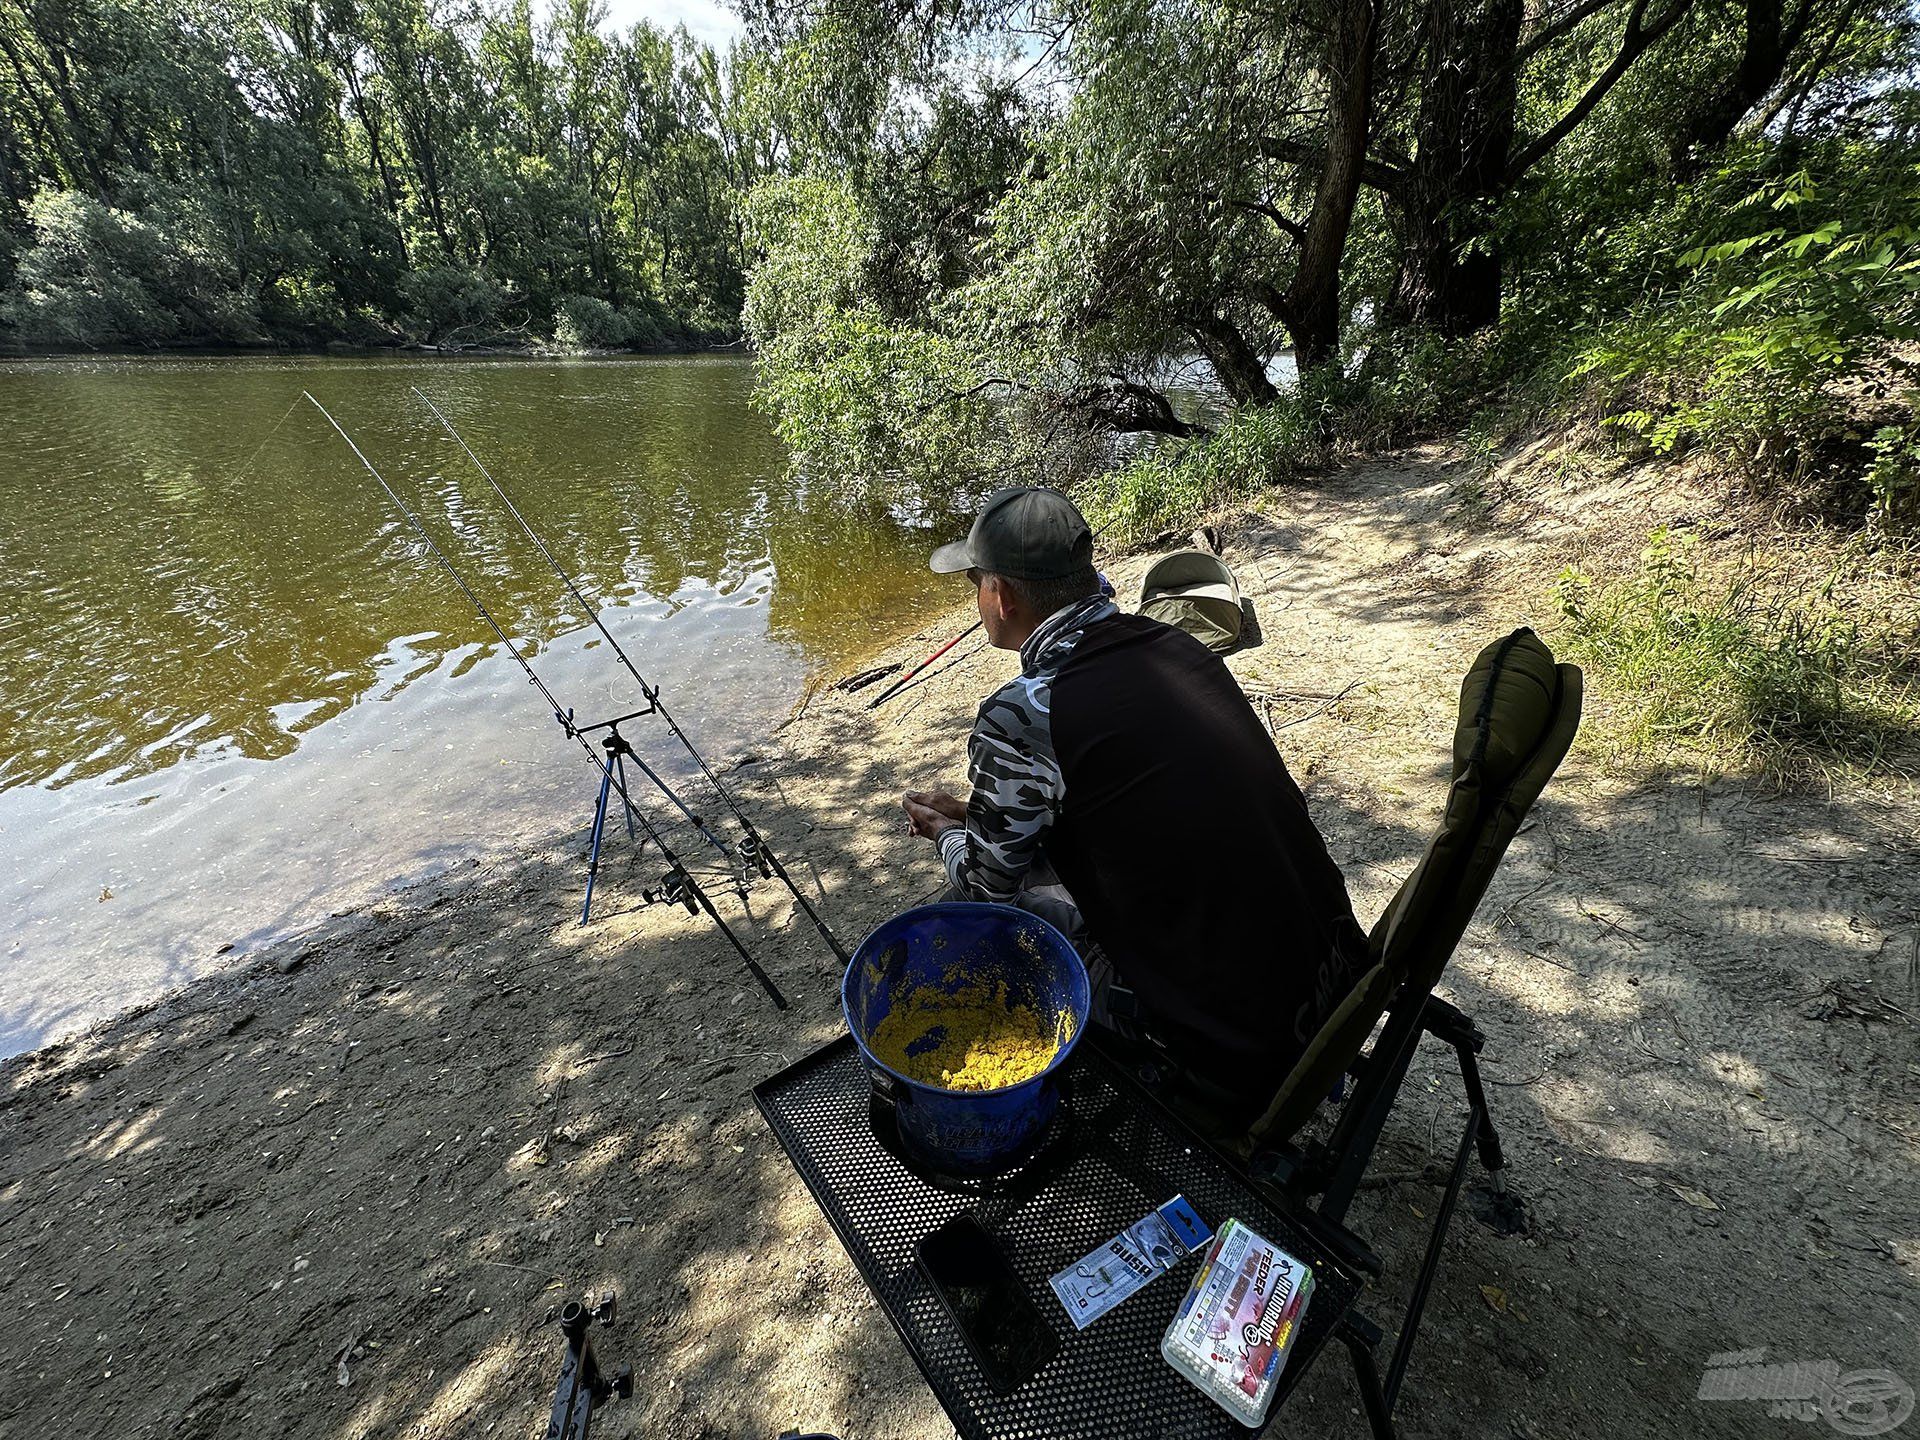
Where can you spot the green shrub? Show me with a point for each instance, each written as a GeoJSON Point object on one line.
{"type": "Point", "coordinates": [1737, 677]}
{"type": "Point", "coordinates": [1170, 485]}
{"type": "Point", "coordinates": [1893, 478]}
{"type": "Point", "coordinates": [96, 275]}
{"type": "Point", "coordinates": [1788, 321]}
{"type": "Point", "coordinates": [452, 303]}
{"type": "Point", "coordinates": [584, 322]}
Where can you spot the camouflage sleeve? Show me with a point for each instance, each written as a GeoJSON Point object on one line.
{"type": "Point", "coordinates": [1017, 789]}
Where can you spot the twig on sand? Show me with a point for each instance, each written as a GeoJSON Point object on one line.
{"type": "Point", "coordinates": [799, 711]}
{"type": "Point", "coordinates": [626, 1049]}
{"type": "Point", "coordinates": [1557, 964]}
{"type": "Point", "coordinates": [1532, 1079]}
{"type": "Point", "coordinates": [1615, 925]}
{"type": "Point", "coordinates": [1322, 708]}
{"type": "Point", "coordinates": [553, 1117]}
{"type": "Point", "coordinates": [1300, 696]}
{"type": "Point", "coordinates": [1849, 1001]}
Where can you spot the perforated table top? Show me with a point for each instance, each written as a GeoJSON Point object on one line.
{"type": "Point", "coordinates": [1118, 1156]}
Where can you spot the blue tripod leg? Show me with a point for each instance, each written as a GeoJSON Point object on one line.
{"type": "Point", "coordinates": [599, 829]}
{"type": "Point", "coordinates": [621, 761]}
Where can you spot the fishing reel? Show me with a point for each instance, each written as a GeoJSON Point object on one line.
{"type": "Point", "coordinates": [753, 852]}
{"type": "Point", "coordinates": [675, 888]}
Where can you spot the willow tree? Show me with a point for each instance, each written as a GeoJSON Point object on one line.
{"type": "Point", "coordinates": [1187, 178]}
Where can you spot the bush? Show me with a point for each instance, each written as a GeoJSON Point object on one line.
{"type": "Point", "coordinates": [584, 322]}
{"type": "Point", "coordinates": [1786, 328]}
{"type": "Point", "coordinates": [449, 303]}
{"type": "Point", "coordinates": [1170, 485]}
{"type": "Point", "coordinates": [1741, 679]}
{"type": "Point", "coordinates": [97, 275]}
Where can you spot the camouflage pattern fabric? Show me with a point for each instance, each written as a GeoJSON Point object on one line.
{"type": "Point", "coordinates": [1017, 784]}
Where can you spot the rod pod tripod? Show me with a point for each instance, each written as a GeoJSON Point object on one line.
{"type": "Point", "coordinates": [681, 886]}
{"type": "Point", "coordinates": [613, 779]}
{"type": "Point", "coordinates": [617, 750]}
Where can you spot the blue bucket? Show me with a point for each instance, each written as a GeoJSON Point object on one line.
{"type": "Point", "coordinates": [966, 1132]}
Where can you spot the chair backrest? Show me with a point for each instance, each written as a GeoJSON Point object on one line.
{"type": "Point", "coordinates": [1519, 712]}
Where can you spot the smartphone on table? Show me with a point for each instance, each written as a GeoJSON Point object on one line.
{"type": "Point", "coordinates": [1002, 1326]}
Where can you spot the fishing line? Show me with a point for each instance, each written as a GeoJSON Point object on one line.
{"type": "Point", "coordinates": [565, 717]}
{"type": "Point", "coordinates": [248, 463]}
{"type": "Point", "coordinates": [678, 872]}
{"type": "Point", "coordinates": [754, 847]}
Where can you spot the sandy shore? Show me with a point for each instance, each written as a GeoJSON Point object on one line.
{"type": "Point", "coordinates": [338, 1192]}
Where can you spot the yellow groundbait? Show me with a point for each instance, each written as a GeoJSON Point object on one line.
{"type": "Point", "coordinates": [971, 1038]}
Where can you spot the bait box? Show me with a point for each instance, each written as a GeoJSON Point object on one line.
{"type": "Point", "coordinates": [1233, 1330]}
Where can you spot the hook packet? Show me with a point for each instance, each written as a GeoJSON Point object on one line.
{"type": "Point", "coordinates": [1152, 1245]}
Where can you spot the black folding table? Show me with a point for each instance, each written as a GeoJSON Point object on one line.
{"type": "Point", "coordinates": [1115, 1154]}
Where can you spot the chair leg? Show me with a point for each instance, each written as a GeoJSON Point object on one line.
{"type": "Point", "coordinates": [1505, 1212]}
{"type": "Point", "coordinates": [1490, 1154]}
{"type": "Point", "coordinates": [1430, 1263]}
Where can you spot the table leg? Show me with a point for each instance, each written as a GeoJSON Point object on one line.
{"type": "Point", "coordinates": [1366, 1377]}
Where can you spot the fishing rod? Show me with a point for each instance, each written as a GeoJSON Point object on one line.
{"type": "Point", "coordinates": [616, 743]}
{"type": "Point", "coordinates": [753, 846]}
{"type": "Point", "coordinates": [679, 886]}
{"type": "Point", "coordinates": [1106, 588]}
{"type": "Point", "coordinates": [907, 679]}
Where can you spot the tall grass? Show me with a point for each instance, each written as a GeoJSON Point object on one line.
{"type": "Point", "coordinates": [1171, 486]}
{"type": "Point", "coordinates": [1737, 675]}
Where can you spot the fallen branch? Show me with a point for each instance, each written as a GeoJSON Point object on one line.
{"type": "Point", "coordinates": [863, 678]}
{"type": "Point", "coordinates": [1320, 709]}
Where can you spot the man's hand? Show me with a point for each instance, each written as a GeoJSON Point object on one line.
{"type": "Point", "coordinates": [931, 811]}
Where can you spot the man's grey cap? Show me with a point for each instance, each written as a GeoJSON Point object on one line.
{"type": "Point", "coordinates": [1027, 532]}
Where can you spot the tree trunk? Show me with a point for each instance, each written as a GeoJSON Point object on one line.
{"type": "Point", "coordinates": [375, 153]}
{"type": "Point", "coordinates": [1449, 275]}
{"type": "Point", "coordinates": [1311, 307]}
{"type": "Point", "coordinates": [1768, 38]}
{"type": "Point", "coordinates": [1242, 373]}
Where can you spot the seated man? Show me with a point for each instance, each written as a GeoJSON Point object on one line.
{"type": "Point", "coordinates": [1215, 924]}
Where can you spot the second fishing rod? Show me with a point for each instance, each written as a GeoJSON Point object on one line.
{"type": "Point", "coordinates": [680, 886]}
{"type": "Point", "coordinates": [754, 848]}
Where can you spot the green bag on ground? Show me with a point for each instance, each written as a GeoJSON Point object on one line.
{"type": "Point", "coordinates": [1194, 591]}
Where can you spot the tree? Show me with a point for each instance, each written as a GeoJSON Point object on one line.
{"type": "Point", "coordinates": [370, 167]}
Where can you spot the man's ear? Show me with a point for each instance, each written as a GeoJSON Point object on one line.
{"type": "Point", "coordinates": [999, 598]}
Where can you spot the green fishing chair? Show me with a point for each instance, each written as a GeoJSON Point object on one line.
{"type": "Point", "coordinates": [1519, 711]}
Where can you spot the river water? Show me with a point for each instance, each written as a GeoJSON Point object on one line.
{"type": "Point", "coordinates": [236, 694]}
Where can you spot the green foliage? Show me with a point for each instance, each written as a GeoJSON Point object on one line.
{"type": "Point", "coordinates": [586, 322]}
{"type": "Point", "coordinates": [451, 304]}
{"type": "Point", "coordinates": [1737, 676]}
{"type": "Point", "coordinates": [1782, 326]}
{"type": "Point", "coordinates": [446, 171]}
{"type": "Point", "coordinates": [1893, 478]}
{"type": "Point", "coordinates": [1170, 486]}
{"type": "Point", "coordinates": [95, 275]}
{"type": "Point", "coordinates": [858, 394]}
